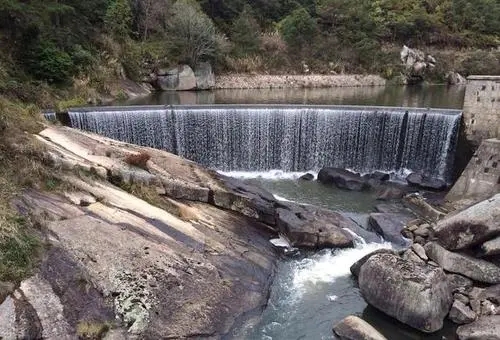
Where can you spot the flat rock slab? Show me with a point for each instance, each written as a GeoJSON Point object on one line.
{"type": "Point", "coordinates": [417, 295]}
{"type": "Point", "coordinates": [484, 328]}
{"type": "Point", "coordinates": [470, 227]}
{"type": "Point", "coordinates": [355, 328]}
{"type": "Point", "coordinates": [390, 226]}
{"type": "Point", "coordinates": [476, 269]}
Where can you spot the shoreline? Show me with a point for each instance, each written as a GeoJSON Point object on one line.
{"type": "Point", "coordinates": [266, 81]}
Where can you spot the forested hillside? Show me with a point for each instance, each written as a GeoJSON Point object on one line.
{"type": "Point", "coordinates": [60, 41]}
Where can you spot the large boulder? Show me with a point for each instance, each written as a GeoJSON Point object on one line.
{"type": "Point", "coordinates": [180, 78]}
{"type": "Point", "coordinates": [470, 227]}
{"type": "Point", "coordinates": [475, 269]}
{"type": "Point", "coordinates": [311, 227]}
{"type": "Point", "coordinates": [356, 266]}
{"type": "Point", "coordinates": [342, 178]}
{"type": "Point", "coordinates": [415, 64]}
{"type": "Point", "coordinates": [417, 295]}
{"type": "Point", "coordinates": [390, 225]}
{"type": "Point", "coordinates": [455, 78]}
{"type": "Point", "coordinates": [425, 182]}
{"type": "Point", "coordinates": [354, 328]}
{"type": "Point", "coordinates": [461, 314]}
{"type": "Point", "coordinates": [484, 328]}
{"type": "Point", "coordinates": [491, 247]}
{"type": "Point", "coordinates": [205, 78]}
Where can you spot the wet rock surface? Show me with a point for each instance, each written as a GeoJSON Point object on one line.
{"type": "Point", "coordinates": [343, 179]}
{"type": "Point", "coordinates": [485, 328]}
{"type": "Point", "coordinates": [355, 328]}
{"type": "Point", "coordinates": [390, 225]}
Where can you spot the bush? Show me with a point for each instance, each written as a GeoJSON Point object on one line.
{"type": "Point", "coordinates": [298, 28]}
{"type": "Point", "coordinates": [139, 160]}
{"type": "Point", "coordinates": [47, 62]}
{"type": "Point", "coordinates": [245, 34]}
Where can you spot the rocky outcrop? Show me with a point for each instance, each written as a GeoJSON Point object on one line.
{"type": "Point", "coordinates": [342, 178]}
{"type": "Point", "coordinates": [455, 78]}
{"type": "Point", "coordinates": [470, 227]}
{"type": "Point", "coordinates": [417, 295]}
{"type": "Point", "coordinates": [311, 227]}
{"type": "Point", "coordinates": [416, 64]}
{"type": "Point", "coordinates": [485, 328]}
{"type": "Point", "coordinates": [180, 78]}
{"type": "Point", "coordinates": [356, 266]}
{"type": "Point", "coordinates": [390, 225]}
{"type": "Point", "coordinates": [354, 328]}
{"type": "Point", "coordinates": [475, 269]}
{"type": "Point", "coordinates": [205, 78]}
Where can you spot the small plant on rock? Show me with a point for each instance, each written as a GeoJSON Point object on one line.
{"type": "Point", "coordinates": [139, 160]}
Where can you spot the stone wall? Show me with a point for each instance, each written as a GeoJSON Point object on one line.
{"type": "Point", "coordinates": [482, 108]}
{"type": "Point", "coordinates": [481, 177]}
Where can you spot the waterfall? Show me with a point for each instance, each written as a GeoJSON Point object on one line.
{"type": "Point", "coordinates": [290, 138]}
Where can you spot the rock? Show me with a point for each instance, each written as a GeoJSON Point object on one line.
{"type": "Point", "coordinates": [356, 267]}
{"type": "Point", "coordinates": [80, 198]}
{"type": "Point", "coordinates": [420, 240]}
{"type": "Point", "coordinates": [181, 78]}
{"type": "Point", "coordinates": [475, 306]}
{"type": "Point", "coordinates": [491, 247]}
{"type": "Point", "coordinates": [484, 328]}
{"type": "Point", "coordinates": [455, 78]}
{"type": "Point", "coordinates": [311, 227]}
{"type": "Point", "coordinates": [392, 208]}
{"type": "Point", "coordinates": [415, 64]}
{"type": "Point", "coordinates": [355, 328]}
{"type": "Point", "coordinates": [462, 298]}
{"type": "Point", "coordinates": [459, 283]}
{"type": "Point", "coordinates": [307, 177]}
{"type": "Point", "coordinates": [461, 314]}
{"type": "Point", "coordinates": [420, 251]}
{"type": "Point", "coordinates": [419, 206]}
{"type": "Point", "coordinates": [476, 269]}
{"type": "Point", "coordinates": [489, 308]}
{"type": "Point", "coordinates": [417, 295]}
{"type": "Point", "coordinates": [425, 182]}
{"type": "Point", "coordinates": [471, 226]}
{"type": "Point", "coordinates": [6, 288]}
{"type": "Point", "coordinates": [491, 293]}
{"type": "Point", "coordinates": [390, 192]}
{"type": "Point", "coordinates": [381, 176]}
{"type": "Point", "coordinates": [342, 178]}
{"type": "Point", "coordinates": [423, 230]}
{"type": "Point", "coordinates": [410, 255]}
{"type": "Point", "coordinates": [390, 226]}
{"type": "Point", "coordinates": [205, 78]}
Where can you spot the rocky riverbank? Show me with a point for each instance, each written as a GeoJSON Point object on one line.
{"type": "Point", "coordinates": [265, 81]}
{"type": "Point", "coordinates": [451, 270]}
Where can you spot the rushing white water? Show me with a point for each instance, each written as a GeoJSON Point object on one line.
{"type": "Point", "coordinates": [290, 138]}
{"type": "Point", "coordinates": [270, 174]}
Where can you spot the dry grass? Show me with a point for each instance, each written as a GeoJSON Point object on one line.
{"type": "Point", "coordinates": [139, 160]}
{"type": "Point", "coordinates": [91, 329]}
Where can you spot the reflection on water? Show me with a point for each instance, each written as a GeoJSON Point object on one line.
{"type": "Point", "coordinates": [435, 96]}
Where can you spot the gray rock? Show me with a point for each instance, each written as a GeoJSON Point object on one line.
{"type": "Point", "coordinates": [342, 178]}
{"type": "Point", "coordinates": [491, 247]}
{"type": "Point", "coordinates": [462, 298]}
{"type": "Point", "coordinates": [459, 283]}
{"type": "Point", "coordinates": [425, 182]}
{"type": "Point", "coordinates": [410, 255]}
{"type": "Point", "coordinates": [354, 328]}
{"type": "Point", "coordinates": [392, 208]}
{"type": "Point", "coordinates": [423, 230]}
{"type": "Point", "coordinates": [179, 79]}
{"type": "Point", "coordinates": [419, 206]}
{"type": "Point", "coordinates": [420, 251]}
{"type": "Point", "coordinates": [484, 328]}
{"type": "Point", "coordinates": [489, 308]}
{"type": "Point", "coordinates": [390, 192]}
{"type": "Point", "coordinates": [311, 227]}
{"type": "Point", "coordinates": [307, 177]}
{"type": "Point", "coordinates": [491, 293]}
{"type": "Point", "coordinates": [476, 269]}
{"type": "Point", "coordinates": [475, 305]}
{"type": "Point", "coordinates": [417, 295]}
{"type": "Point", "coordinates": [455, 78]}
{"type": "Point", "coordinates": [390, 226]}
{"type": "Point", "coordinates": [205, 78]}
{"type": "Point", "coordinates": [461, 314]}
{"type": "Point", "coordinates": [356, 267]}
{"type": "Point", "coordinates": [470, 227]}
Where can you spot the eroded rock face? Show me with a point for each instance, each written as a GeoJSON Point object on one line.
{"type": "Point", "coordinates": [485, 328]}
{"type": "Point", "coordinates": [390, 226]}
{"type": "Point", "coordinates": [470, 227]}
{"type": "Point", "coordinates": [417, 295]}
{"type": "Point", "coordinates": [476, 269]}
{"type": "Point", "coordinates": [342, 178]}
{"type": "Point", "coordinates": [181, 78]}
{"type": "Point", "coordinates": [354, 328]}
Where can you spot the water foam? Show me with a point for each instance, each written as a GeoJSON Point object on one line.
{"type": "Point", "coordinates": [269, 175]}
{"type": "Point", "coordinates": [326, 266]}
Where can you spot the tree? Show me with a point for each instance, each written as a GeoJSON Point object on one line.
{"type": "Point", "coordinates": [150, 17]}
{"type": "Point", "coordinates": [194, 34]}
{"type": "Point", "coordinates": [298, 28]}
{"type": "Point", "coordinates": [245, 33]}
{"type": "Point", "coordinates": [118, 18]}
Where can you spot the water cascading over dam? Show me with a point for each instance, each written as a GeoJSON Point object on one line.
{"type": "Point", "coordinates": [290, 138]}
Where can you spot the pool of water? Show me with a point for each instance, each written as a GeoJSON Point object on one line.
{"type": "Point", "coordinates": [434, 96]}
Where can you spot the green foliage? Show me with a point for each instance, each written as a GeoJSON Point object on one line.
{"type": "Point", "coordinates": [118, 18]}
{"type": "Point", "coordinates": [298, 28]}
{"type": "Point", "coordinates": [245, 33]}
{"type": "Point", "coordinates": [194, 34]}
{"type": "Point", "coordinates": [49, 63]}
